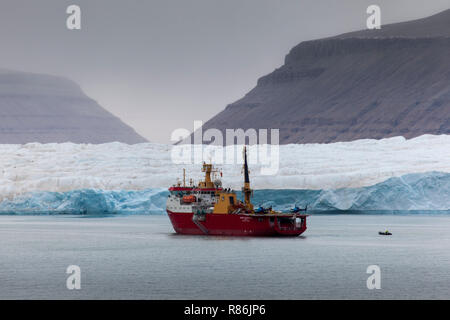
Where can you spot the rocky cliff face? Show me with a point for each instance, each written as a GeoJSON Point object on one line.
{"type": "Point", "coordinates": [43, 108]}
{"type": "Point", "coordinates": [367, 84]}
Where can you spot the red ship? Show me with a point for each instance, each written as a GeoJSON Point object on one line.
{"type": "Point", "coordinates": [208, 209]}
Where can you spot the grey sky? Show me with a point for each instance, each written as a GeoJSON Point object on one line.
{"type": "Point", "coordinates": [160, 64]}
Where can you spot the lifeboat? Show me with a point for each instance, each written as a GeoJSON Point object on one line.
{"type": "Point", "coordinates": [189, 199]}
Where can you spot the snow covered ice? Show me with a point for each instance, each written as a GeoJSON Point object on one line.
{"type": "Point", "coordinates": [117, 177]}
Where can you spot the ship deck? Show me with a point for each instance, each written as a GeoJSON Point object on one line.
{"type": "Point", "coordinates": [274, 215]}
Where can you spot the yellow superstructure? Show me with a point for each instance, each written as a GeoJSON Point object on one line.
{"type": "Point", "coordinates": [207, 183]}
{"type": "Point", "coordinates": [226, 202]}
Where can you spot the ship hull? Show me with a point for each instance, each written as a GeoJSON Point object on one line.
{"type": "Point", "coordinates": [236, 225]}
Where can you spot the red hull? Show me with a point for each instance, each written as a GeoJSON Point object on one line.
{"type": "Point", "coordinates": [236, 225]}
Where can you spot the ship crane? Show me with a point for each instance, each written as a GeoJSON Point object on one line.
{"type": "Point", "coordinates": [246, 190]}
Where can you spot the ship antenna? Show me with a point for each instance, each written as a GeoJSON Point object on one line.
{"type": "Point", "coordinates": [184, 177]}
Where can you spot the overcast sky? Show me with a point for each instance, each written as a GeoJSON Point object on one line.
{"type": "Point", "coordinates": [160, 64]}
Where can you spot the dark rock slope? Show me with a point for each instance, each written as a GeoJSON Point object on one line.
{"type": "Point", "coordinates": [43, 108]}
{"type": "Point", "coordinates": [366, 84]}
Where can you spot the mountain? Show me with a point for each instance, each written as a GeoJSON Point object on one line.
{"type": "Point", "coordinates": [430, 27]}
{"type": "Point", "coordinates": [44, 108]}
{"type": "Point", "coordinates": [366, 84]}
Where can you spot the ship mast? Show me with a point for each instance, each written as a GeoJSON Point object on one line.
{"type": "Point", "coordinates": [246, 189]}
{"type": "Point", "coordinates": [207, 169]}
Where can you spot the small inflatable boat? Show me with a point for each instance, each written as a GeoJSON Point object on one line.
{"type": "Point", "coordinates": [385, 233]}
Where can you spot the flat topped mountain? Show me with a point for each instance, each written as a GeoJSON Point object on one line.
{"type": "Point", "coordinates": [46, 109]}
{"type": "Point", "coordinates": [430, 27]}
{"type": "Point", "coordinates": [366, 84]}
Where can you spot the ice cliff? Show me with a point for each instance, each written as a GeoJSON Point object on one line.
{"type": "Point", "coordinates": [387, 174]}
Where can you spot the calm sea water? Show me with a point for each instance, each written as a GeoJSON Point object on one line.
{"type": "Point", "coordinates": [140, 257]}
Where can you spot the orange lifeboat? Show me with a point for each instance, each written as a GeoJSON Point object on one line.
{"type": "Point", "coordinates": [189, 199]}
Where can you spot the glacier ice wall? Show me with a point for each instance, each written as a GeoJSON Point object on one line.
{"type": "Point", "coordinates": [389, 174]}
{"type": "Point", "coordinates": [116, 166]}
{"type": "Point", "coordinates": [87, 202]}
{"type": "Point", "coordinates": [412, 192]}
